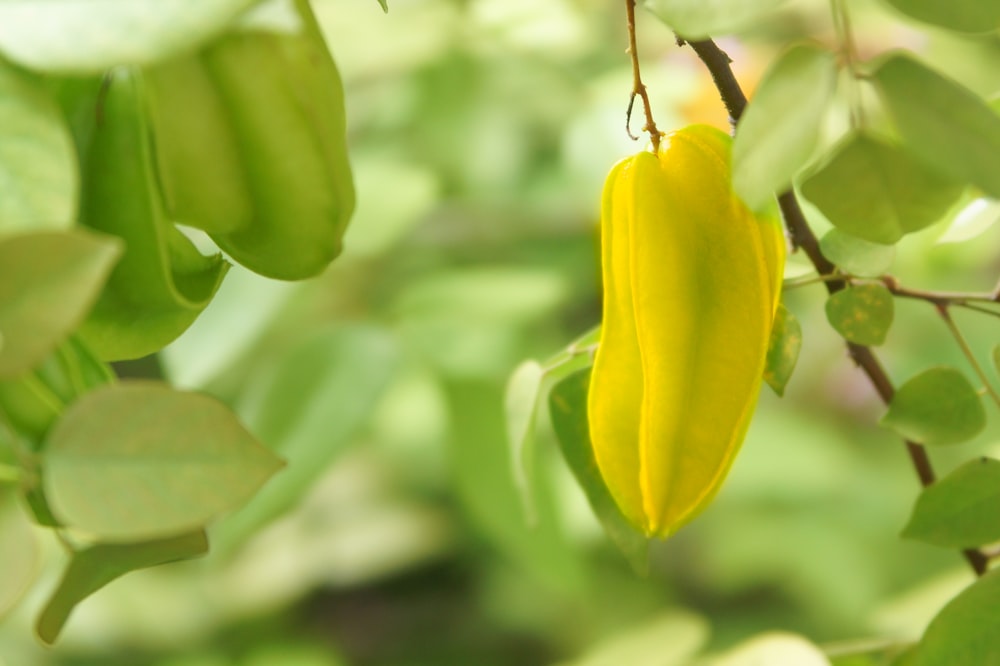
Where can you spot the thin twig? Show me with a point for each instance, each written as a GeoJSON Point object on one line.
{"type": "Point", "coordinates": [937, 297]}
{"type": "Point", "coordinates": [967, 351]}
{"type": "Point", "coordinates": [719, 66]}
{"type": "Point", "coordinates": [638, 87]}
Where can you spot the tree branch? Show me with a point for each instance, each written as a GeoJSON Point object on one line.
{"type": "Point", "coordinates": [719, 66]}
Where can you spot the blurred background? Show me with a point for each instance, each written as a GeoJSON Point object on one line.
{"type": "Point", "coordinates": [481, 133]}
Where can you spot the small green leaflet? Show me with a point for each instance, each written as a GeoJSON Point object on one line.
{"type": "Point", "coordinates": [139, 460]}
{"type": "Point", "coordinates": [783, 349]}
{"type": "Point", "coordinates": [780, 126]}
{"type": "Point", "coordinates": [39, 178]}
{"type": "Point", "coordinates": [91, 569]}
{"type": "Point", "coordinates": [48, 282]}
{"type": "Point", "coordinates": [856, 256]}
{"type": "Point", "coordinates": [965, 631]}
{"type": "Point", "coordinates": [962, 510]}
{"type": "Point", "coordinates": [951, 130]}
{"type": "Point", "coordinates": [958, 15]}
{"type": "Point", "coordinates": [937, 407]}
{"type": "Point", "coordinates": [862, 313]}
{"type": "Point", "coordinates": [874, 190]}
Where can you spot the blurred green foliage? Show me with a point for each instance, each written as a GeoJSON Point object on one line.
{"type": "Point", "coordinates": [481, 133]}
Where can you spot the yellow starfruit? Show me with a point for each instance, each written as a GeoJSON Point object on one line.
{"type": "Point", "coordinates": [691, 282]}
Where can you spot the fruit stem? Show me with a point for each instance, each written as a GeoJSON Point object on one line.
{"type": "Point", "coordinates": [638, 88]}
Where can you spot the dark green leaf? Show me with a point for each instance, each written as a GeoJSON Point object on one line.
{"type": "Point", "coordinates": [961, 510]}
{"type": "Point", "coordinates": [697, 19]}
{"type": "Point", "coordinates": [780, 127]}
{"type": "Point", "coordinates": [960, 15]}
{"type": "Point", "coordinates": [91, 569]}
{"type": "Point", "coordinates": [782, 350]}
{"type": "Point", "coordinates": [965, 631]}
{"type": "Point", "coordinates": [39, 181]}
{"type": "Point", "coordinates": [48, 282]}
{"type": "Point", "coordinates": [308, 410]}
{"type": "Point", "coordinates": [140, 460]}
{"type": "Point", "coordinates": [162, 282]}
{"type": "Point", "coordinates": [856, 256]}
{"type": "Point", "coordinates": [938, 406]}
{"type": "Point", "coordinates": [862, 314]}
{"type": "Point", "coordinates": [944, 124]}
{"type": "Point", "coordinates": [90, 37]}
{"type": "Point", "coordinates": [568, 409]}
{"type": "Point", "coordinates": [876, 191]}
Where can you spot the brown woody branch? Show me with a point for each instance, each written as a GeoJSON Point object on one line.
{"type": "Point", "coordinates": [735, 101]}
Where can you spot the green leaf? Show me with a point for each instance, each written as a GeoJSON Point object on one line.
{"type": "Point", "coordinates": [962, 510]}
{"type": "Point", "coordinates": [480, 459]}
{"type": "Point", "coordinates": [139, 460]}
{"type": "Point", "coordinates": [568, 409]}
{"type": "Point", "coordinates": [959, 15]}
{"type": "Point", "coordinates": [48, 282]}
{"type": "Point", "coordinates": [91, 569]}
{"type": "Point", "coordinates": [937, 407]}
{"type": "Point", "coordinates": [774, 649]}
{"type": "Point", "coordinates": [942, 123]}
{"type": "Point", "coordinates": [521, 407]}
{"type": "Point", "coordinates": [162, 282]}
{"type": "Point", "coordinates": [669, 639]}
{"type": "Point", "coordinates": [697, 19]}
{"type": "Point", "coordinates": [308, 409]}
{"type": "Point", "coordinates": [780, 127]}
{"type": "Point", "coordinates": [39, 180]}
{"type": "Point", "coordinates": [862, 314]}
{"type": "Point", "coordinates": [876, 191]}
{"type": "Point", "coordinates": [856, 256]}
{"type": "Point", "coordinates": [972, 221]}
{"type": "Point", "coordinates": [384, 5]}
{"type": "Point", "coordinates": [20, 557]}
{"type": "Point", "coordinates": [89, 37]}
{"type": "Point", "coordinates": [965, 631]}
{"type": "Point", "coordinates": [783, 349]}
{"type": "Point", "coordinates": [996, 359]}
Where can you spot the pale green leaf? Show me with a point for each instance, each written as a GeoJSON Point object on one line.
{"type": "Point", "coordinates": [87, 37]}
{"type": "Point", "coordinates": [521, 406]}
{"type": "Point", "coordinates": [669, 639]}
{"type": "Point", "coordinates": [780, 127]}
{"type": "Point", "coordinates": [782, 350]}
{"type": "Point", "coordinates": [951, 129]}
{"type": "Point", "coordinates": [308, 408]}
{"type": "Point", "coordinates": [699, 19]}
{"type": "Point", "coordinates": [20, 557]}
{"type": "Point", "coordinates": [937, 407]}
{"type": "Point", "coordinates": [856, 256]}
{"type": "Point", "coordinates": [91, 569]}
{"type": "Point", "coordinates": [774, 649]}
{"type": "Point", "coordinates": [39, 179]}
{"type": "Point", "coordinates": [876, 191]}
{"type": "Point", "coordinates": [972, 221]}
{"type": "Point", "coordinates": [959, 15]}
{"type": "Point", "coordinates": [568, 410]}
{"type": "Point", "coordinates": [965, 631]}
{"type": "Point", "coordinates": [862, 314]}
{"type": "Point", "coordinates": [962, 510]}
{"type": "Point", "coordinates": [140, 460]}
{"type": "Point", "coordinates": [48, 282]}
